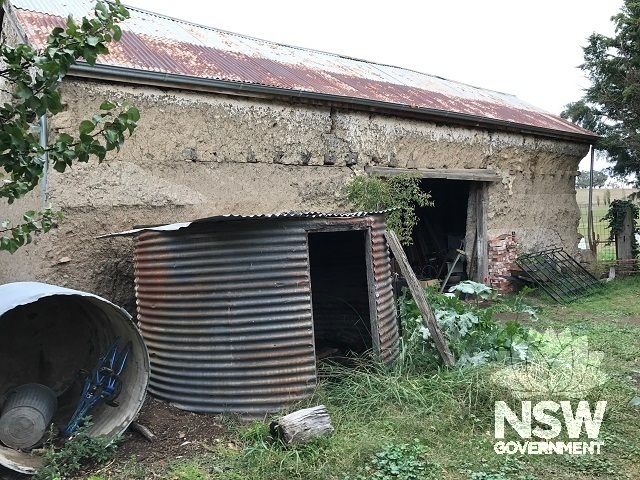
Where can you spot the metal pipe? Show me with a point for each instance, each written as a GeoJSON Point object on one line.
{"type": "Point", "coordinates": [171, 80]}
{"type": "Point", "coordinates": [589, 209]}
{"type": "Point", "coordinates": [45, 157]}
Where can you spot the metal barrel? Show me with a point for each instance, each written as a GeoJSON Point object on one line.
{"type": "Point", "coordinates": [26, 414]}
{"type": "Point", "coordinates": [49, 334]}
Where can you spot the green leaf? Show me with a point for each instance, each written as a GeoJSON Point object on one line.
{"type": "Point", "coordinates": [133, 114]}
{"type": "Point", "coordinates": [93, 40]}
{"type": "Point", "coordinates": [59, 166]}
{"type": "Point", "coordinates": [86, 126]}
{"type": "Point", "coordinates": [65, 138]}
{"type": "Point", "coordinates": [107, 105]}
{"type": "Point", "coordinates": [23, 91]}
{"type": "Point", "coordinates": [117, 33]}
{"type": "Point", "coordinates": [635, 402]}
{"type": "Point", "coordinates": [111, 135]}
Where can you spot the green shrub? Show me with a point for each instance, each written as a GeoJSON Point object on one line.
{"type": "Point", "coordinates": [402, 194]}
{"type": "Point", "coordinates": [81, 450]}
{"type": "Point", "coordinates": [473, 336]}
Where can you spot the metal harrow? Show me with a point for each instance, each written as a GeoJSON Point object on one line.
{"type": "Point", "coordinates": [103, 385]}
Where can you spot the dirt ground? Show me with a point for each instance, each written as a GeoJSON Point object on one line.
{"type": "Point", "coordinates": [178, 434]}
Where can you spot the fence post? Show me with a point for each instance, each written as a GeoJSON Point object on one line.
{"type": "Point", "coordinates": [593, 244]}
{"type": "Point", "coordinates": [624, 239]}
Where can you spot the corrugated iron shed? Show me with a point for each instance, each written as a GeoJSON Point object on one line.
{"type": "Point", "coordinates": [158, 49]}
{"type": "Point", "coordinates": [226, 310]}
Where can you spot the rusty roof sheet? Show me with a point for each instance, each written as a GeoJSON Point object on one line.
{"type": "Point", "coordinates": [231, 216]}
{"type": "Point", "coordinates": [156, 43]}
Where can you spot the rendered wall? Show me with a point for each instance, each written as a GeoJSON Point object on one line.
{"type": "Point", "coordinates": [200, 154]}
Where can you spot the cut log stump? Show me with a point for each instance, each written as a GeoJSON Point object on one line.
{"type": "Point", "coordinates": [301, 426]}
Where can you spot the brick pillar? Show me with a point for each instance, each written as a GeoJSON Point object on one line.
{"type": "Point", "coordinates": [503, 251]}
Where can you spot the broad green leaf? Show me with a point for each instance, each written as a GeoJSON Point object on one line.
{"type": "Point", "coordinates": [117, 33]}
{"type": "Point", "coordinates": [134, 114]}
{"type": "Point", "coordinates": [106, 105]}
{"type": "Point", "coordinates": [86, 126]}
{"type": "Point", "coordinates": [65, 138]}
{"type": "Point", "coordinates": [23, 91]}
{"type": "Point", "coordinates": [59, 166]}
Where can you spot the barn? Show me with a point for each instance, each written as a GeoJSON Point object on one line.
{"type": "Point", "coordinates": [236, 125]}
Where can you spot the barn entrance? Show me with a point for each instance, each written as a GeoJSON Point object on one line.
{"type": "Point", "coordinates": [340, 294]}
{"type": "Point", "coordinates": [460, 212]}
{"type": "Point", "coordinates": [441, 231]}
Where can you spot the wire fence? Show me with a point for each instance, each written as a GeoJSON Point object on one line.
{"type": "Point", "coordinates": [604, 249]}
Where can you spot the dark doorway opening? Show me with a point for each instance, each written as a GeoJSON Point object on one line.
{"type": "Point", "coordinates": [441, 230]}
{"type": "Point", "coordinates": [340, 294]}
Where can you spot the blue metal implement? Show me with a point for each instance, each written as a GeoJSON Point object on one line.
{"type": "Point", "coordinates": [102, 385]}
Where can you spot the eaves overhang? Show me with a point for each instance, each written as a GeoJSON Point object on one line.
{"type": "Point", "coordinates": [187, 82]}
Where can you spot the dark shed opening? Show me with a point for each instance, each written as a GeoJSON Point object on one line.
{"type": "Point", "coordinates": [340, 294]}
{"type": "Point", "coordinates": [441, 230]}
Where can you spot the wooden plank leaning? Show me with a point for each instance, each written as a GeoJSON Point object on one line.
{"type": "Point", "coordinates": [428, 317]}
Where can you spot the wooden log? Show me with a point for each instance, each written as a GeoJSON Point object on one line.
{"type": "Point", "coordinates": [144, 431]}
{"type": "Point", "coordinates": [428, 317]}
{"type": "Point", "coordinates": [301, 426]}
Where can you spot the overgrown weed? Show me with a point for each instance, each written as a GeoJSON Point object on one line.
{"type": "Point", "coordinates": [82, 450]}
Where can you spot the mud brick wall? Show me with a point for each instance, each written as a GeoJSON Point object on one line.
{"type": "Point", "coordinates": [198, 154]}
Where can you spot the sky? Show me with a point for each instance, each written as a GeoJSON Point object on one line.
{"type": "Point", "coordinates": [530, 49]}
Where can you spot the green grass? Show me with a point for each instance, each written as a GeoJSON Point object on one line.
{"type": "Point", "coordinates": [440, 422]}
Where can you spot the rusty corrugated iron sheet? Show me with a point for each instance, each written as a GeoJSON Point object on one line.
{"type": "Point", "coordinates": [225, 311]}
{"type": "Point", "coordinates": [387, 323]}
{"type": "Point", "coordinates": [156, 43]}
{"type": "Point", "coordinates": [232, 216]}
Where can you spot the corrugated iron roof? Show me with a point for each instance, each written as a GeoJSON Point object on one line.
{"type": "Point", "coordinates": [156, 43]}
{"type": "Point", "coordinates": [230, 217]}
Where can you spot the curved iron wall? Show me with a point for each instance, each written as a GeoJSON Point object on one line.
{"type": "Point", "coordinates": [225, 310]}
{"type": "Point", "coordinates": [386, 319]}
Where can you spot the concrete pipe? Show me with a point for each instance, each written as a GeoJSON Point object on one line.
{"type": "Point", "coordinates": [49, 335]}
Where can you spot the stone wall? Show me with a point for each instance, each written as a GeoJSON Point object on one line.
{"type": "Point", "coordinates": [200, 154]}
